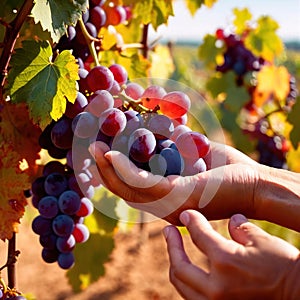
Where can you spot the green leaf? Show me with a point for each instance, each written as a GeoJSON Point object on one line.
{"type": "Point", "coordinates": [155, 12]}
{"type": "Point", "coordinates": [194, 5]}
{"type": "Point", "coordinates": [263, 41]}
{"type": "Point", "coordinates": [234, 96]}
{"type": "Point", "coordinates": [90, 258]}
{"type": "Point", "coordinates": [208, 52]}
{"type": "Point", "coordinates": [43, 85]}
{"type": "Point", "coordinates": [242, 16]}
{"type": "Point", "coordinates": [55, 15]}
{"type": "Point", "coordinates": [293, 118]}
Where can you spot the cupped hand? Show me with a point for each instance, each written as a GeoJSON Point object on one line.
{"type": "Point", "coordinates": [216, 192]}
{"type": "Point", "coordinates": [253, 265]}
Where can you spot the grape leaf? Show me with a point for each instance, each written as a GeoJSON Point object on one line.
{"type": "Point", "coordinates": [242, 16]}
{"type": "Point", "coordinates": [208, 53]}
{"type": "Point", "coordinates": [234, 96]}
{"type": "Point", "coordinates": [194, 5]}
{"type": "Point", "coordinates": [263, 40]}
{"type": "Point", "coordinates": [43, 85]}
{"type": "Point", "coordinates": [91, 255]}
{"type": "Point", "coordinates": [13, 182]}
{"type": "Point", "coordinates": [155, 12]}
{"type": "Point", "coordinates": [90, 258]}
{"type": "Point", "coordinates": [293, 118]}
{"type": "Point", "coordinates": [293, 158]}
{"type": "Point", "coordinates": [272, 81]}
{"type": "Point", "coordinates": [17, 130]}
{"type": "Point", "coordinates": [55, 15]}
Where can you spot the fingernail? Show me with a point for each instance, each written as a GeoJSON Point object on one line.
{"type": "Point", "coordinates": [166, 231]}
{"type": "Point", "coordinates": [184, 218]}
{"type": "Point", "coordinates": [238, 219]}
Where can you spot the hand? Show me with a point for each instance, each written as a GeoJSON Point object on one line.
{"type": "Point", "coordinates": [214, 192]}
{"type": "Point", "coordinates": [254, 265]}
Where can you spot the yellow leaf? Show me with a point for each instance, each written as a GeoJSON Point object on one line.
{"type": "Point", "coordinates": [293, 158]}
{"type": "Point", "coordinates": [108, 38]}
{"type": "Point", "coordinates": [272, 82]}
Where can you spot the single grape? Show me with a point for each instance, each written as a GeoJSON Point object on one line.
{"type": "Point", "coordinates": [66, 260]}
{"type": "Point", "coordinates": [100, 78]}
{"type": "Point", "coordinates": [63, 225]}
{"type": "Point", "coordinates": [48, 241]}
{"type": "Point", "coordinates": [142, 145]}
{"type": "Point", "coordinates": [38, 187]}
{"type": "Point", "coordinates": [81, 233]}
{"type": "Point", "coordinates": [161, 126]}
{"type": "Point", "coordinates": [41, 225]}
{"type": "Point", "coordinates": [45, 137]}
{"type": "Point", "coordinates": [65, 244]}
{"type": "Point", "coordinates": [193, 144]}
{"type": "Point", "coordinates": [55, 184]}
{"type": "Point", "coordinates": [86, 207]}
{"type": "Point", "coordinates": [57, 153]}
{"type": "Point", "coordinates": [85, 125]}
{"type": "Point", "coordinates": [72, 110]}
{"type": "Point", "coordinates": [48, 207]}
{"type": "Point", "coordinates": [99, 102]}
{"type": "Point", "coordinates": [50, 255]}
{"type": "Point", "coordinates": [82, 82]}
{"type": "Point", "coordinates": [53, 166]}
{"type": "Point", "coordinates": [134, 90]}
{"type": "Point", "coordinates": [119, 72]}
{"type": "Point", "coordinates": [175, 104]}
{"type": "Point", "coordinates": [98, 17]}
{"type": "Point", "coordinates": [69, 202]}
{"type": "Point", "coordinates": [179, 130]}
{"type": "Point", "coordinates": [115, 15]}
{"type": "Point", "coordinates": [112, 121]}
{"type": "Point", "coordinates": [152, 96]}
{"type": "Point", "coordinates": [62, 134]}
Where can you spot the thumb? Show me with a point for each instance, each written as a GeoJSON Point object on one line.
{"type": "Point", "coordinates": [244, 232]}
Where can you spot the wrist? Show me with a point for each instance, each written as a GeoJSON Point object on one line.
{"type": "Point", "coordinates": [277, 197]}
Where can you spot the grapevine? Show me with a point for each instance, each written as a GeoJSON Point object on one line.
{"type": "Point", "coordinates": [73, 86]}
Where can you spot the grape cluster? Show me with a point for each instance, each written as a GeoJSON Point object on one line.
{"type": "Point", "coordinates": [236, 56]}
{"type": "Point", "coordinates": [272, 147]}
{"type": "Point", "coordinates": [100, 14]}
{"type": "Point", "coordinates": [147, 124]}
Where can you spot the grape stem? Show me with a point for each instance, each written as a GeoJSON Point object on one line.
{"type": "Point", "coordinates": [90, 41]}
{"type": "Point", "coordinates": [11, 35]}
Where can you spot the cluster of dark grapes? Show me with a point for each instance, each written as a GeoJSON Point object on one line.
{"type": "Point", "coordinates": [236, 56]}
{"type": "Point", "coordinates": [101, 13]}
{"type": "Point", "coordinates": [272, 148]}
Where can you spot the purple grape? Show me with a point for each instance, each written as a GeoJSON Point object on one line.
{"type": "Point", "coordinates": [62, 134]}
{"type": "Point", "coordinates": [41, 225]}
{"type": "Point", "coordinates": [161, 126]}
{"type": "Point", "coordinates": [73, 109]}
{"type": "Point", "coordinates": [120, 73]}
{"type": "Point", "coordinates": [65, 244]}
{"type": "Point", "coordinates": [112, 121]}
{"type": "Point", "coordinates": [48, 241]}
{"type": "Point", "coordinates": [98, 17]}
{"type": "Point", "coordinates": [66, 260]}
{"type": "Point", "coordinates": [53, 166]}
{"type": "Point", "coordinates": [50, 255]}
{"type": "Point", "coordinates": [142, 145]}
{"type": "Point", "coordinates": [85, 125]}
{"type": "Point", "coordinates": [55, 184]}
{"type": "Point", "coordinates": [48, 207]}
{"type": "Point", "coordinates": [100, 78]}
{"type": "Point", "coordinates": [69, 202]}
{"type": "Point", "coordinates": [38, 187]}
{"type": "Point", "coordinates": [63, 225]}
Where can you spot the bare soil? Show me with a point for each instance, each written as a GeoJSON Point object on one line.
{"type": "Point", "coordinates": [138, 268]}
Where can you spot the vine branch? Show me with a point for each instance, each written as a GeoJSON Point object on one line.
{"type": "Point", "coordinates": [10, 38]}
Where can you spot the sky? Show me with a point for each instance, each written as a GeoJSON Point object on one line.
{"type": "Point", "coordinates": [185, 27]}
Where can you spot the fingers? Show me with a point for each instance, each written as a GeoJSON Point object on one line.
{"type": "Point", "coordinates": [244, 232]}
{"type": "Point", "coordinates": [181, 269]}
{"type": "Point", "coordinates": [203, 235]}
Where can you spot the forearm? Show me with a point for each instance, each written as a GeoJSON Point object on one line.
{"type": "Point", "coordinates": [277, 197]}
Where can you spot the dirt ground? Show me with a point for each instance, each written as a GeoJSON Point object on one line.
{"type": "Point", "coordinates": [133, 272]}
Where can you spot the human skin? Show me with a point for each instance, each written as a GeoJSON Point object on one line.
{"type": "Point", "coordinates": [233, 183]}
{"type": "Point", "coordinates": [253, 264]}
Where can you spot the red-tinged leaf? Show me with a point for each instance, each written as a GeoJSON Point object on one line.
{"type": "Point", "coordinates": [13, 182]}
{"type": "Point", "coordinates": [17, 130]}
